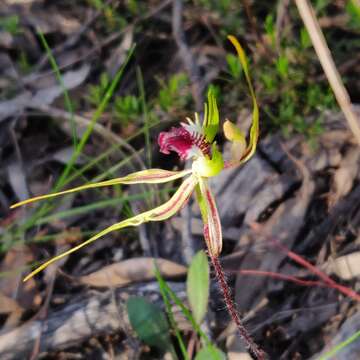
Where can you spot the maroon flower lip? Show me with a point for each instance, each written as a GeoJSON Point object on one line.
{"type": "Point", "coordinates": [183, 142]}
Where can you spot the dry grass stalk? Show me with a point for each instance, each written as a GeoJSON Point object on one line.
{"type": "Point", "coordinates": [322, 50]}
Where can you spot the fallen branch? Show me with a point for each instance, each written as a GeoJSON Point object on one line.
{"type": "Point", "coordinates": [93, 315]}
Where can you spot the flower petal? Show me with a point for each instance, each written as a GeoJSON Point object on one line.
{"type": "Point", "coordinates": [210, 215]}
{"type": "Point", "coordinates": [254, 130]}
{"type": "Point", "coordinates": [162, 212]}
{"type": "Point", "coordinates": [211, 118]}
{"type": "Point", "coordinates": [237, 138]}
{"type": "Point", "coordinates": [151, 176]}
{"type": "Point", "coordinates": [178, 139]}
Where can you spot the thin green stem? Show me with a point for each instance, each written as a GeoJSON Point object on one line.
{"type": "Point", "coordinates": [170, 313]}
{"type": "Point", "coordinates": [339, 347]}
{"type": "Point", "coordinates": [99, 111]}
{"type": "Point", "coordinates": [140, 81]}
{"type": "Point", "coordinates": [59, 78]}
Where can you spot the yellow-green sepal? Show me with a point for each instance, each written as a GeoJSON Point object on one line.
{"type": "Point", "coordinates": [254, 130]}
{"type": "Point", "coordinates": [150, 176]}
{"type": "Point", "coordinates": [211, 117]}
{"type": "Point", "coordinates": [160, 213]}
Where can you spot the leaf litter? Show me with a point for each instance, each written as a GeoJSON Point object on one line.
{"type": "Point", "coordinates": [289, 201]}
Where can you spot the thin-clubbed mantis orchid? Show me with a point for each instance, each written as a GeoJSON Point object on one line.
{"type": "Point", "coordinates": [192, 140]}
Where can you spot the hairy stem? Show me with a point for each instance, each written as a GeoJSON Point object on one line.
{"type": "Point", "coordinates": [251, 345]}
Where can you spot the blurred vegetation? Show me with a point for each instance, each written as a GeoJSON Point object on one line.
{"type": "Point", "coordinates": [292, 91]}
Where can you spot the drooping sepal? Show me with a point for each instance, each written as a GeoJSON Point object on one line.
{"type": "Point", "coordinates": [162, 212]}
{"type": "Point", "coordinates": [211, 219]}
{"type": "Point", "coordinates": [151, 176]}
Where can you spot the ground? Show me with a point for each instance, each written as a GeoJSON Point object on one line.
{"type": "Point", "coordinates": [86, 87]}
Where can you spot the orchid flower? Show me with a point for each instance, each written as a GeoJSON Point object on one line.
{"type": "Point", "coordinates": [191, 140]}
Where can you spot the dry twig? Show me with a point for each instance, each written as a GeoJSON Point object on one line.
{"type": "Point", "coordinates": [91, 315]}
{"type": "Point", "coordinates": [322, 50]}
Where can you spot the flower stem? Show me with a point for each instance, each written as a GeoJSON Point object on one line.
{"type": "Point", "coordinates": [250, 344]}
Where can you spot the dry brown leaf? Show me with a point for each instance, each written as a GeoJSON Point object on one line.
{"type": "Point", "coordinates": [11, 285]}
{"type": "Point", "coordinates": [9, 306]}
{"type": "Point", "coordinates": [238, 356]}
{"type": "Point", "coordinates": [16, 296]}
{"type": "Point", "coordinates": [132, 270]}
{"type": "Point", "coordinates": [345, 267]}
{"type": "Point", "coordinates": [346, 174]}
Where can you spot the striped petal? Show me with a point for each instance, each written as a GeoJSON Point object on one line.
{"type": "Point", "coordinates": [211, 118]}
{"type": "Point", "coordinates": [210, 215]}
{"type": "Point", "coordinates": [254, 130]}
{"type": "Point", "coordinates": [151, 176]}
{"type": "Point", "coordinates": [162, 212]}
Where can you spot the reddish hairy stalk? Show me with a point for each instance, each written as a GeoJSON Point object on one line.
{"type": "Point", "coordinates": [251, 345]}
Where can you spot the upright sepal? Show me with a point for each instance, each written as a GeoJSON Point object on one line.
{"type": "Point", "coordinates": [254, 130]}
{"type": "Point", "coordinates": [211, 118]}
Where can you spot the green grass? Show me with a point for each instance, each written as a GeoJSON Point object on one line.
{"type": "Point", "coordinates": [17, 233]}
{"type": "Point", "coordinates": [68, 103]}
{"type": "Point", "coordinates": [336, 349]}
{"type": "Point", "coordinates": [168, 295]}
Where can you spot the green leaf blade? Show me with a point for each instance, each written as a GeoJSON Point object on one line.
{"type": "Point", "coordinates": [198, 285]}
{"type": "Point", "coordinates": [210, 352]}
{"type": "Point", "coordinates": [149, 323]}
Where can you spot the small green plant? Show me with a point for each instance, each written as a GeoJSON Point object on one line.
{"type": "Point", "coordinates": [353, 10]}
{"type": "Point", "coordinates": [23, 63]}
{"type": "Point", "coordinates": [113, 20]}
{"type": "Point", "coordinates": [171, 94]}
{"type": "Point", "coordinates": [269, 27]}
{"type": "Point", "coordinates": [292, 96]}
{"type": "Point", "coordinates": [305, 40]}
{"type": "Point", "coordinates": [292, 99]}
{"type": "Point", "coordinates": [133, 6]}
{"type": "Point", "coordinates": [127, 109]}
{"type": "Point", "coordinates": [230, 12]}
{"type": "Point", "coordinates": [234, 66]}
{"type": "Point", "coordinates": [11, 24]}
{"type": "Point", "coordinates": [97, 92]}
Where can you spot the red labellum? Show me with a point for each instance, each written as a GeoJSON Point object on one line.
{"type": "Point", "coordinates": [183, 142]}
